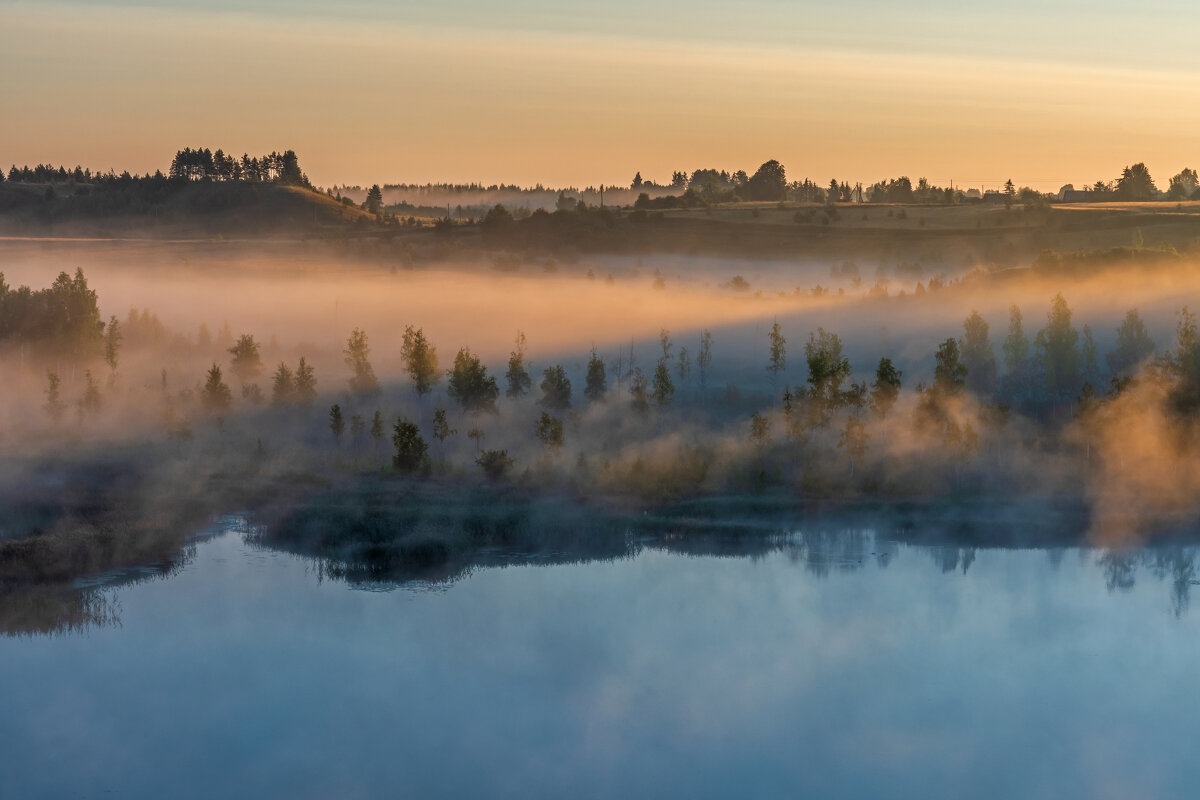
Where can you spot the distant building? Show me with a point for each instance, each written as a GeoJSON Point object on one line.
{"type": "Point", "coordinates": [992, 196]}
{"type": "Point", "coordinates": [1077, 196]}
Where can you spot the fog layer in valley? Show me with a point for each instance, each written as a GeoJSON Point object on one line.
{"type": "Point", "coordinates": [696, 387]}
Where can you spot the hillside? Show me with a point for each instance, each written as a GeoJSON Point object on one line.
{"type": "Point", "coordinates": [170, 208]}
{"type": "Point", "coordinates": [930, 237]}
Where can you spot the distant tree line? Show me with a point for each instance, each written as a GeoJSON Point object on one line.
{"type": "Point", "coordinates": [457, 188]}
{"type": "Point", "coordinates": [704, 187]}
{"type": "Point", "coordinates": [769, 183]}
{"type": "Point", "coordinates": [1135, 184]}
{"type": "Point", "coordinates": [901, 190]}
{"type": "Point", "coordinates": [470, 201]}
{"type": "Point", "coordinates": [581, 225]}
{"type": "Point", "coordinates": [46, 173]}
{"type": "Point", "coordinates": [187, 164]}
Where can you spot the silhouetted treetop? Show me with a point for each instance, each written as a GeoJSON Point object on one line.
{"type": "Point", "coordinates": [1135, 183]}
{"type": "Point", "coordinates": [63, 319]}
{"type": "Point", "coordinates": [203, 164]}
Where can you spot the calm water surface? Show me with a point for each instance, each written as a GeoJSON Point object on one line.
{"type": "Point", "coordinates": [851, 667]}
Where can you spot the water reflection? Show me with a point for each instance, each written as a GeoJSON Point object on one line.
{"type": "Point", "coordinates": [1179, 566]}
{"type": "Point", "coordinates": [60, 608]}
{"type": "Point", "coordinates": [821, 550]}
{"type": "Point", "coordinates": [824, 659]}
{"type": "Point", "coordinates": [55, 610]}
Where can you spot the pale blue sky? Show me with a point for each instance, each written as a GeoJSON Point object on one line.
{"type": "Point", "coordinates": [1104, 31]}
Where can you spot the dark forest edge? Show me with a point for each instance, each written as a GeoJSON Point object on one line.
{"type": "Point", "coordinates": [213, 194]}
{"type": "Point", "coordinates": [768, 182]}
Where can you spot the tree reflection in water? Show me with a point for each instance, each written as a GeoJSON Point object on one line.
{"type": "Point", "coordinates": [821, 549]}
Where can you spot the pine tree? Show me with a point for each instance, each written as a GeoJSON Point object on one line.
{"type": "Point", "coordinates": [410, 447]}
{"type": "Point", "coordinates": [949, 373]}
{"type": "Point", "coordinates": [556, 389]}
{"type": "Point", "coordinates": [828, 369]}
{"type": "Point", "coordinates": [305, 383]}
{"type": "Point", "coordinates": [704, 359]}
{"type": "Point", "coordinates": [1016, 357]}
{"type": "Point", "coordinates": [374, 199]}
{"type": "Point", "coordinates": [977, 355]}
{"type": "Point", "coordinates": [1058, 352]}
{"type": "Point", "coordinates": [377, 429]}
{"type": "Point", "coordinates": [663, 392]}
{"type": "Point", "coordinates": [1183, 364]}
{"type": "Point", "coordinates": [777, 361]}
{"type": "Point", "coordinates": [357, 358]}
{"type": "Point", "coordinates": [247, 361]}
{"type": "Point", "coordinates": [215, 397]}
{"type": "Point", "coordinates": [337, 425]}
{"type": "Point", "coordinates": [517, 376]}
{"type": "Point", "coordinates": [112, 343]}
{"type": "Point", "coordinates": [639, 399]}
{"type": "Point", "coordinates": [597, 380]}
{"type": "Point", "coordinates": [664, 340]}
{"type": "Point", "coordinates": [1134, 345]}
{"type": "Point", "coordinates": [441, 427]}
{"type": "Point", "coordinates": [684, 367]}
{"type": "Point", "coordinates": [283, 386]}
{"type": "Point", "coordinates": [420, 360]}
{"type": "Point", "coordinates": [886, 388]}
{"type": "Point", "coordinates": [549, 431]}
{"type": "Point", "coordinates": [91, 401]}
{"type": "Point", "coordinates": [470, 384]}
{"type": "Point", "coordinates": [54, 404]}
{"type": "Point", "coordinates": [1087, 352]}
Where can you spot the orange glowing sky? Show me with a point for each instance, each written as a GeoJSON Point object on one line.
{"type": "Point", "coordinates": [1046, 93]}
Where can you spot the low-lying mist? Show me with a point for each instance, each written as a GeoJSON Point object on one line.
{"type": "Point", "coordinates": [661, 425]}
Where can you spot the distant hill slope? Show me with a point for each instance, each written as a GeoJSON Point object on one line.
{"type": "Point", "coordinates": [169, 209]}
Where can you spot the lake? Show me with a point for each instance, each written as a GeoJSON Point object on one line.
{"type": "Point", "coordinates": [836, 664]}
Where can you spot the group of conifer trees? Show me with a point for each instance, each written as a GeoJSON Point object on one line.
{"type": "Point", "coordinates": [1048, 376]}
{"type": "Point", "coordinates": [187, 164]}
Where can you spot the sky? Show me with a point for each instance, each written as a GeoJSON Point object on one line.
{"type": "Point", "coordinates": [578, 94]}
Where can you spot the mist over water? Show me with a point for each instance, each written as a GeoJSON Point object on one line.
{"type": "Point", "coordinates": [836, 663]}
{"type": "Point", "coordinates": [191, 300]}
{"type": "Point", "coordinates": [372, 466]}
{"type": "Point", "coordinates": [668, 601]}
